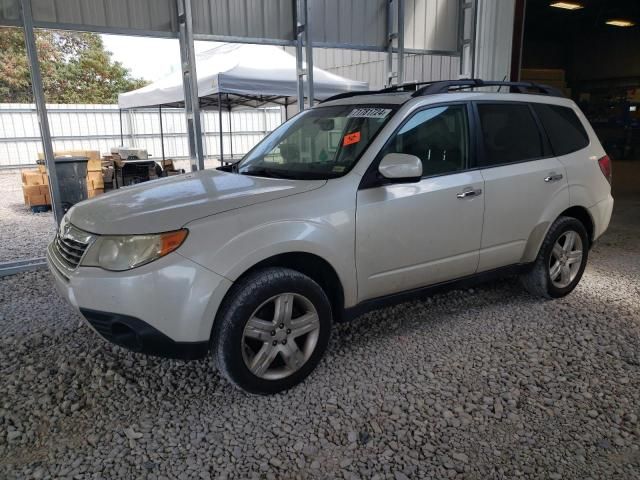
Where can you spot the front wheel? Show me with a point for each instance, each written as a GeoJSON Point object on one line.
{"type": "Point", "coordinates": [561, 260]}
{"type": "Point", "coordinates": [272, 330]}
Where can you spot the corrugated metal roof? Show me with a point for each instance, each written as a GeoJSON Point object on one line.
{"type": "Point", "coordinates": [429, 24]}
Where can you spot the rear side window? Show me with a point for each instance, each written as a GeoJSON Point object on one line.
{"type": "Point", "coordinates": [510, 133]}
{"type": "Point", "coordinates": [564, 129]}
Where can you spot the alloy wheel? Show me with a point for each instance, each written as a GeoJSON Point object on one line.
{"type": "Point", "coordinates": [566, 259]}
{"type": "Point", "coordinates": [280, 336]}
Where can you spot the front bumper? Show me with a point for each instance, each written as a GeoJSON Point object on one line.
{"type": "Point", "coordinates": [164, 308]}
{"type": "Point", "coordinates": [138, 336]}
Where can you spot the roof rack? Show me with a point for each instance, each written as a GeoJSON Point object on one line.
{"type": "Point", "coordinates": [405, 87]}
{"type": "Point", "coordinates": [446, 86]}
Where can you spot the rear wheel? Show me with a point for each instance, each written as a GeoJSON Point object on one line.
{"type": "Point", "coordinates": [272, 330]}
{"type": "Point", "coordinates": [561, 260]}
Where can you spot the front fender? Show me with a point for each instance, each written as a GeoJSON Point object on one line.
{"type": "Point", "coordinates": [232, 254]}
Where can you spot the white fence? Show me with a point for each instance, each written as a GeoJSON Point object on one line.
{"type": "Point", "coordinates": [99, 127]}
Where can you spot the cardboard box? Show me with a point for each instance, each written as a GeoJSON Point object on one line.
{"type": "Point", "coordinates": [33, 177]}
{"type": "Point", "coordinates": [37, 200]}
{"type": "Point", "coordinates": [95, 180]}
{"type": "Point", "coordinates": [95, 192]}
{"type": "Point", "coordinates": [42, 168]}
{"type": "Point", "coordinates": [94, 165]}
{"type": "Point", "coordinates": [31, 190]}
{"type": "Point", "coordinates": [90, 154]}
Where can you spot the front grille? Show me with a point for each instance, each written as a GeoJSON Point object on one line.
{"type": "Point", "coordinates": [67, 249]}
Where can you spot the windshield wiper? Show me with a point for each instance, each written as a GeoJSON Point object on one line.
{"type": "Point", "coordinates": [266, 172]}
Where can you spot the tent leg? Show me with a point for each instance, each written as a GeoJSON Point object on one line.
{"type": "Point", "coordinates": [230, 128]}
{"type": "Point", "coordinates": [286, 109]}
{"type": "Point", "coordinates": [41, 107]}
{"type": "Point", "coordinates": [161, 134]}
{"type": "Point", "coordinates": [121, 131]}
{"type": "Point", "coordinates": [221, 134]}
{"type": "Point", "coordinates": [190, 84]}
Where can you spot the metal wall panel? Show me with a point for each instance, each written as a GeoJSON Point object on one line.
{"type": "Point", "coordinates": [9, 12]}
{"type": "Point", "coordinates": [349, 22]}
{"type": "Point", "coordinates": [494, 37]}
{"type": "Point", "coordinates": [97, 127]}
{"type": "Point", "coordinates": [370, 66]}
{"type": "Point", "coordinates": [255, 19]}
{"type": "Point", "coordinates": [431, 25]}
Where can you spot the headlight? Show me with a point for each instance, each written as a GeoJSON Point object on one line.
{"type": "Point", "coordinates": [124, 252]}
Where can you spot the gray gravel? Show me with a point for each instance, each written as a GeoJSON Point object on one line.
{"type": "Point", "coordinates": [23, 234]}
{"type": "Point", "coordinates": [481, 383]}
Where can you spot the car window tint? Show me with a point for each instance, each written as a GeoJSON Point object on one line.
{"type": "Point", "coordinates": [438, 136]}
{"type": "Point", "coordinates": [564, 129]}
{"type": "Point", "coordinates": [510, 133]}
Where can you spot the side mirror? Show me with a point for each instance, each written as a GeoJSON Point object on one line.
{"type": "Point", "coordinates": [401, 167]}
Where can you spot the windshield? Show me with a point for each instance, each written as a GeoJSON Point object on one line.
{"type": "Point", "coordinates": [316, 144]}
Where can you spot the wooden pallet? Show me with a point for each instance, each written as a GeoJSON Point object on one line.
{"type": "Point", "coordinates": [40, 208]}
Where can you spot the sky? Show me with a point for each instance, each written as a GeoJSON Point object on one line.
{"type": "Point", "coordinates": [148, 58]}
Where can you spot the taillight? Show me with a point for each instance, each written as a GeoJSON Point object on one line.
{"type": "Point", "coordinates": [606, 167]}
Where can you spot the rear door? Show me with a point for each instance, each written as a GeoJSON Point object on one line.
{"type": "Point", "coordinates": [524, 182]}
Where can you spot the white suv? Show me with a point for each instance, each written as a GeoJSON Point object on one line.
{"type": "Point", "coordinates": [360, 200]}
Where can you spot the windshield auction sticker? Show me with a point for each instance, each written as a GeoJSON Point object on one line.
{"type": "Point", "coordinates": [351, 138]}
{"type": "Point", "coordinates": [369, 113]}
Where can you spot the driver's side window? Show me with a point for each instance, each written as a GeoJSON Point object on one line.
{"type": "Point", "coordinates": [438, 136]}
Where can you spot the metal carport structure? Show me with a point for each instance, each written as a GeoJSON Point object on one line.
{"type": "Point", "coordinates": [379, 25]}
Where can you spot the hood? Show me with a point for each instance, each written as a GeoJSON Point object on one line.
{"type": "Point", "coordinates": [170, 203]}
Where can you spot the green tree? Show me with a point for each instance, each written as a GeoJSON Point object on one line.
{"type": "Point", "coordinates": [75, 68]}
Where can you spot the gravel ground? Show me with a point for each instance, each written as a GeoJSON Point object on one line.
{"type": "Point", "coordinates": [481, 383]}
{"type": "Point", "coordinates": [23, 234]}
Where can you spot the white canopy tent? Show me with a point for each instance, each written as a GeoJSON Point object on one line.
{"type": "Point", "coordinates": [239, 75]}
{"type": "Point", "coordinates": [250, 74]}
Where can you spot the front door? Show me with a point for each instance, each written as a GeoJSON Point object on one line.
{"type": "Point", "coordinates": [417, 234]}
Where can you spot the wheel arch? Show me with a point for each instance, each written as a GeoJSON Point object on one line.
{"type": "Point", "coordinates": [540, 231]}
{"type": "Point", "coordinates": [314, 267]}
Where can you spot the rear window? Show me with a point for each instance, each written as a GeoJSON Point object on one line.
{"type": "Point", "coordinates": [564, 129]}
{"type": "Point", "coordinates": [510, 133]}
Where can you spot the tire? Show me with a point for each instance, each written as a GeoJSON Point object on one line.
{"type": "Point", "coordinates": [538, 281]}
{"type": "Point", "coordinates": [281, 304]}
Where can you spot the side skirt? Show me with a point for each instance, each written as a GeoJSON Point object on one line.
{"type": "Point", "coordinates": [422, 292]}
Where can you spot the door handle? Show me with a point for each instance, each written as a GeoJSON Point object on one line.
{"type": "Point", "coordinates": [553, 177]}
{"type": "Point", "coordinates": [470, 192]}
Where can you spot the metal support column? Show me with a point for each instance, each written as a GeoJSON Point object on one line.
{"type": "Point", "coordinates": [400, 41]}
{"type": "Point", "coordinates": [161, 134]}
{"type": "Point", "coordinates": [41, 107]}
{"type": "Point", "coordinates": [299, 67]}
{"type": "Point", "coordinates": [468, 18]}
{"type": "Point", "coordinates": [220, 126]}
{"type": "Point", "coordinates": [230, 128]}
{"type": "Point", "coordinates": [309, 52]}
{"type": "Point", "coordinates": [190, 84]}
{"type": "Point", "coordinates": [391, 36]}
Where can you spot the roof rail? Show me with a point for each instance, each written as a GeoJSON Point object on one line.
{"type": "Point", "coordinates": [408, 87]}
{"type": "Point", "coordinates": [446, 86]}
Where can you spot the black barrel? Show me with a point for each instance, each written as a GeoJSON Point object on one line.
{"type": "Point", "coordinates": [72, 179]}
